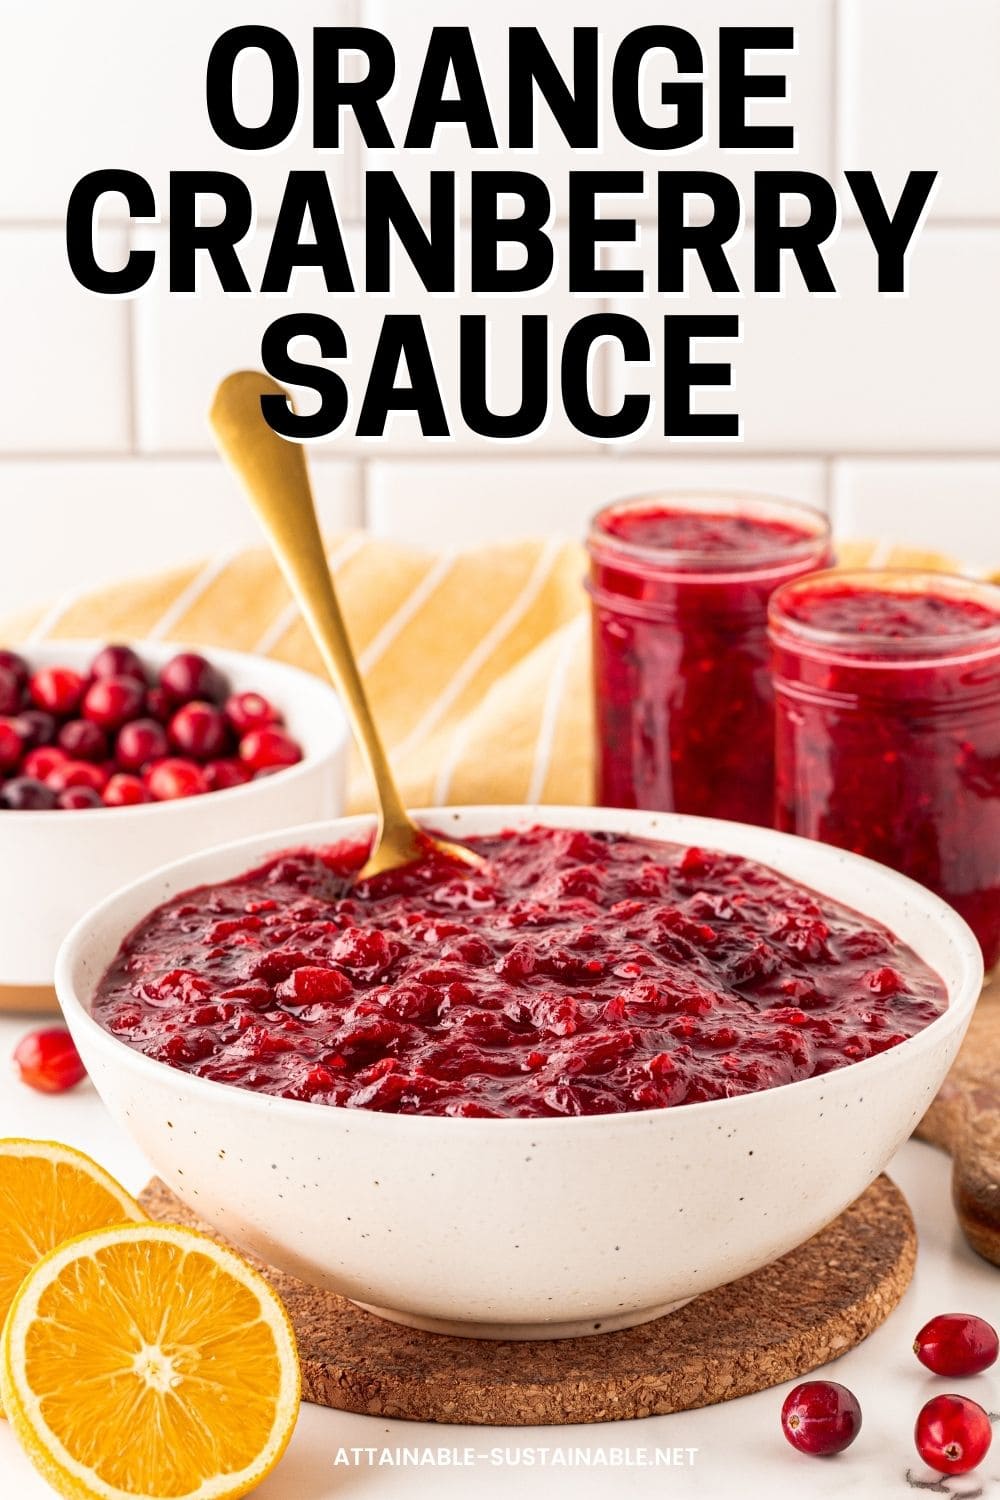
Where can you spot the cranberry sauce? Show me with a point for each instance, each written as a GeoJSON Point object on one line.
{"type": "Point", "coordinates": [888, 735]}
{"type": "Point", "coordinates": [576, 973]}
{"type": "Point", "coordinates": [684, 701]}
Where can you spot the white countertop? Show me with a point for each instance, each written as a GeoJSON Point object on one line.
{"type": "Point", "coordinates": [740, 1451]}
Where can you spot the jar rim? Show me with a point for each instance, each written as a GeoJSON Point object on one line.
{"type": "Point", "coordinates": [878, 648]}
{"type": "Point", "coordinates": [814, 526]}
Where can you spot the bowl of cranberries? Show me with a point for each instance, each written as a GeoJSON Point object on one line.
{"type": "Point", "coordinates": [116, 758]}
{"type": "Point", "coordinates": [628, 1058]}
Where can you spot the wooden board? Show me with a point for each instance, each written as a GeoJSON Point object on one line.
{"type": "Point", "coordinates": [965, 1120]}
{"type": "Point", "coordinates": [781, 1322]}
{"type": "Point", "coordinates": [28, 999]}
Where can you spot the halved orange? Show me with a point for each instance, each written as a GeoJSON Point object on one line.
{"type": "Point", "coordinates": [146, 1360]}
{"type": "Point", "coordinates": [48, 1193]}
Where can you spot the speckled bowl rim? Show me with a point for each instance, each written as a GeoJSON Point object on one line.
{"type": "Point", "coordinates": [680, 828]}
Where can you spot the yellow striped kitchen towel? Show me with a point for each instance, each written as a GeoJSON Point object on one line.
{"type": "Point", "coordinates": [478, 662]}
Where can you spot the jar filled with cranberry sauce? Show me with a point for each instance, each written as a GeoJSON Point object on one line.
{"type": "Point", "coordinates": [679, 586]}
{"type": "Point", "coordinates": [888, 727]}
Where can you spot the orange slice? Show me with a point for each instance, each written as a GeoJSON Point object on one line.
{"type": "Point", "coordinates": [147, 1361]}
{"type": "Point", "coordinates": [48, 1193]}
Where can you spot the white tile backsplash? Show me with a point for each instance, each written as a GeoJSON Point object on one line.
{"type": "Point", "coordinates": [468, 502]}
{"type": "Point", "coordinates": [947, 505]}
{"type": "Point", "coordinates": [919, 89]}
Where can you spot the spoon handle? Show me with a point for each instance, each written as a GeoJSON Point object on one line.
{"type": "Point", "coordinates": [274, 475]}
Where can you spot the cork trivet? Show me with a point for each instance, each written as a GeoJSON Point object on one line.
{"type": "Point", "coordinates": [965, 1120]}
{"type": "Point", "coordinates": [805, 1309]}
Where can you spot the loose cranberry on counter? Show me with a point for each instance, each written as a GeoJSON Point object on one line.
{"type": "Point", "coordinates": [118, 661]}
{"type": "Point", "coordinates": [953, 1434]}
{"type": "Point", "coordinates": [139, 743]}
{"type": "Point", "coordinates": [25, 794]}
{"type": "Point", "coordinates": [190, 676]}
{"type": "Point", "coordinates": [48, 1061]}
{"type": "Point", "coordinates": [10, 692]}
{"type": "Point", "coordinates": [83, 740]}
{"type": "Point", "coordinates": [199, 729]}
{"type": "Point", "coordinates": [58, 690]}
{"type": "Point", "coordinates": [263, 749]}
{"type": "Point", "coordinates": [821, 1417]}
{"type": "Point", "coordinates": [36, 727]}
{"type": "Point", "coordinates": [79, 798]}
{"type": "Point", "coordinates": [222, 774]}
{"type": "Point", "coordinates": [11, 744]}
{"type": "Point", "coordinates": [112, 701]}
{"type": "Point", "coordinates": [957, 1344]}
{"type": "Point", "coordinates": [247, 711]}
{"type": "Point", "coordinates": [174, 778]}
{"type": "Point", "coordinates": [11, 662]}
{"type": "Point", "coordinates": [126, 791]}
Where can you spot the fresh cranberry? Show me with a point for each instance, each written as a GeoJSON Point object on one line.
{"type": "Point", "coordinates": [11, 744]}
{"type": "Point", "coordinates": [42, 762]}
{"type": "Point", "coordinates": [174, 778]}
{"type": "Point", "coordinates": [112, 701]}
{"type": "Point", "coordinates": [200, 730]}
{"type": "Point", "coordinates": [25, 794]}
{"type": "Point", "coordinates": [48, 1061]}
{"type": "Point", "coordinates": [83, 740]}
{"type": "Point", "coordinates": [222, 774]}
{"type": "Point", "coordinates": [263, 749]}
{"type": "Point", "coordinates": [189, 676]}
{"type": "Point", "coordinates": [821, 1417]}
{"type": "Point", "coordinates": [952, 1434]}
{"type": "Point", "coordinates": [36, 727]}
{"type": "Point", "coordinates": [159, 705]}
{"type": "Point", "coordinates": [10, 692]}
{"type": "Point", "coordinates": [957, 1344]}
{"type": "Point", "coordinates": [57, 689]}
{"type": "Point", "coordinates": [125, 791]}
{"type": "Point", "coordinates": [247, 711]}
{"type": "Point", "coordinates": [139, 742]}
{"type": "Point", "coordinates": [77, 798]}
{"type": "Point", "coordinates": [11, 662]}
{"type": "Point", "coordinates": [77, 773]}
{"type": "Point", "coordinates": [118, 661]}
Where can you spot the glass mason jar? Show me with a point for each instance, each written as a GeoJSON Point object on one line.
{"type": "Point", "coordinates": [679, 585]}
{"type": "Point", "coordinates": [888, 727]}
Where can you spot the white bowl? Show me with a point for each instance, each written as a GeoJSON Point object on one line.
{"type": "Point", "coordinates": [54, 866]}
{"type": "Point", "coordinates": [542, 1227]}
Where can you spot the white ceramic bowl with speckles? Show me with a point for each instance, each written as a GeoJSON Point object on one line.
{"type": "Point", "coordinates": [530, 1228]}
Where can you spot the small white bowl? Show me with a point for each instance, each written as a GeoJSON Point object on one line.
{"type": "Point", "coordinates": [54, 866]}
{"type": "Point", "coordinates": [536, 1228]}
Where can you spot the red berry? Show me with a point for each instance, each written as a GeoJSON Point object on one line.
{"type": "Point", "coordinates": [263, 748]}
{"type": "Point", "coordinates": [952, 1434]}
{"type": "Point", "coordinates": [83, 740]}
{"type": "Point", "coordinates": [118, 661]}
{"type": "Point", "coordinates": [820, 1417]}
{"type": "Point", "coordinates": [189, 676]}
{"type": "Point", "coordinates": [199, 729]}
{"type": "Point", "coordinates": [36, 727]}
{"type": "Point", "coordinates": [42, 762]}
{"type": "Point", "coordinates": [250, 711]}
{"type": "Point", "coordinates": [221, 774]}
{"type": "Point", "coordinates": [957, 1344]}
{"type": "Point", "coordinates": [159, 704]}
{"type": "Point", "coordinates": [77, 798]}
{"type": "Point", "coordinates": [112, 701]}
{"type": "Point", "coordinates": [48, 1061]}
{"type": "Point", "coordinates": [77, 773]}
{"type": "Point", "coordinates": [10, 692]}
{"type": "Point", "coordinates": [57, 689]}
{"type": "Point", "coordinates": [125, 791]}
{"type": "Point", "coordinates": [11, 744]}
{"type": "Point", "coordinates": [11, 662]}
{"type": "Point", "coordinates": [24, 794]}
{"type": "Point", "coordinates": [139, 742]}
{"type": "Point", "coordinates": [174, 778]}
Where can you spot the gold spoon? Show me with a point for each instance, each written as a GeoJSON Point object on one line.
{"type": "Point", "coordinates": [274, 475]}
